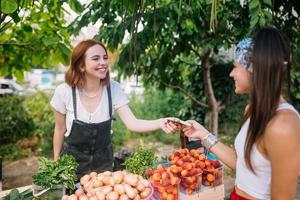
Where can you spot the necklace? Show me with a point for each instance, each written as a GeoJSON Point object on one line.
{"type": "Point", "coordinates": [90, 96]}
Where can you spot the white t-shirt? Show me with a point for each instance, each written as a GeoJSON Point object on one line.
{"type": "Point", "coordinates": [62, 101]}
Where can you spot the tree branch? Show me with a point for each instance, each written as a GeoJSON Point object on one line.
{"type": "Point", "coordinates": [186, 93]}
{"type": "Point", "coordinates": [2, 17]}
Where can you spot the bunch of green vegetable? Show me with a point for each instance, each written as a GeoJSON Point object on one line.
{"type": "Point", "coordinates": [16, 195]}
{"type": "Point", "coordinates": [60, 172]}
{"type": "Point", "coordinates": [141, 160]}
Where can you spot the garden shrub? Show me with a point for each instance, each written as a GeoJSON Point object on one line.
{"type": "Point", "coordinates": [39, 108]}
{"type": "Point", "coordinates": [16, 122]}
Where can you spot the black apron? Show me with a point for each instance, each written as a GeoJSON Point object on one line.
{"type": "Point", "coordinates": [90, 143]}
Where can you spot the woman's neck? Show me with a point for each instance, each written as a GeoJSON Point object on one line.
{"type": "Point", "coordinates": [92, 85]}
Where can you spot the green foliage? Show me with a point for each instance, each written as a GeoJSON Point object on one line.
{"type": "Point", "coordinates": [39, 38]}
{"type": "Point", "coordinates": [39, 108]}
{"type": "Point", "coordinates": [16, 123]}
{"type": "Point", "coordinates": [12, 152]}
{"type": "Point", "coordinates": [8, 6]}
{"type": "Point", "coordinates": [168, 49]}
{"type": "Point", "coordinates": [27, 125]}
{"type": "Point", "coordinates": [141, 160]}
{"type": "Point", "coordinates": [260, 13]}
{"type": "Point", "coordinates": [53, 173]}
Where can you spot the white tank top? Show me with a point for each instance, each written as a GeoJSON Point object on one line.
{"type": "Point", "coordinates": [259, 185]}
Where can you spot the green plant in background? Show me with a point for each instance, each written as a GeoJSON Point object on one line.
{"type": "Point", "coordinates": [34, 33]}
{"type": "Point", "coordinates": [13, 152]}
{"type": "Point", "coordinates": [16, 122]}
{"type": "Point", "coordinates": [141, 160]}
{"type": "Point", "coordinates": [26, 126]}
{"type": "Point", "coordinates": [38, 107]}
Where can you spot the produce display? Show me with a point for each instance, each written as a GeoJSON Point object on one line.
{"type": "Point", "coordinates": [212, 175]}
{"type": "Point", "coordinates": [54, 177]}
{"type": "Point", "coordinates": [192, 165]}
{"type": "Point", "coordinates": [165, 183]}
{"type": "Point", "coordinates": [190, 169]}
{"type": "Point", "coordinates": [52, 173]}
{"type": "Point", "coordinates": [189, 166]}
{"type": "Point", "coordinates": [141, 160]}
{"type": "Point", "coordinates": [108, 185]}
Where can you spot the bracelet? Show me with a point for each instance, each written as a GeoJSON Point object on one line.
{"type": "Point", "coordinates": [209, 141]}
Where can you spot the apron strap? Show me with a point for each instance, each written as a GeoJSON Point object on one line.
{"type": "Point", "coordinates": [74, 101]}
{"type": "Point", "coordinates": [109, 100]}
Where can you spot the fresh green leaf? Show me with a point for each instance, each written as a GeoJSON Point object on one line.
{"type": "Point", "coordinates": [268, 2]}
{"type": "Point", "coordinates": [141, 160]}
{"type": "Point", "coordinates": [9, 6]}
{"type": "Point", "coordinates": [61, 172]}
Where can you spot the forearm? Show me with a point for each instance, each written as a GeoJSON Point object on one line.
{"type": "Point", "coordinates": [225, 153]}
{"type": "Point", "coordinates": [137, 125]}
{"type": "Point", "coordinates": [140, 125]}
{"type": "Point", "coordinates": [58, 140]}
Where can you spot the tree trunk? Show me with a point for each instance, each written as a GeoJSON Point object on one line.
{"type": "Point", "coordinates": [214, 115]}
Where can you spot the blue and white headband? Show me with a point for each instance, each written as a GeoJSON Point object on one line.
{"type": "Point", "coordinates": [243, 53]}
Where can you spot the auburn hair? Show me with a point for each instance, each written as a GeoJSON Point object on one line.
{"type": "Point", "coordinates": [271, 67]}
{"type": "Point", "coordinates": [74, 75]}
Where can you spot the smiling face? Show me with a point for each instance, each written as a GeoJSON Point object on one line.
{"type": "Point", "coordinates": [96, 62]}
{"type": "Point", "coordinates": [242, 78]}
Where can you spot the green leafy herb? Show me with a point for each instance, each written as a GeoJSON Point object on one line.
{"type": "Point", "coordinates": [141, 160]}
{"type": "Point", "coordinates": [61, 172]}
{"type": "Point", "coordinates": [15, 195]}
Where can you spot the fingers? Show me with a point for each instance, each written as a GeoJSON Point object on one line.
{"type": "Point", "coordinates": [168, 126]}
{"type": "Point", "coordinates": [166, 130]}
{"type": "Point", "coordinates": [172, 125]}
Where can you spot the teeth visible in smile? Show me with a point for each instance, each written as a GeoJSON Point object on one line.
{"type": "Point", "coordinates": [101, 69]}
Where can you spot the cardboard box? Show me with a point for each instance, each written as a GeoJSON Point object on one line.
{"type": "Point", "coordinates": [206, 193]}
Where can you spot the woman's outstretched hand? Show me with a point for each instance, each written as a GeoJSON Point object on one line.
{"type": "Point", "coordinates": [196, 130]}
{"type": "Point", "coordinates": [168, 125]}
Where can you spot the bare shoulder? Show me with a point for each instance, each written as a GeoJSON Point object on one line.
{"type": "Point", "coordinates": [283, 128]}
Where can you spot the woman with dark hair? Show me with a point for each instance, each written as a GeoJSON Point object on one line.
{"type": "Point", "coordinates": [83, 109]}
{"type": "Point", "coordinates": [266, 150]}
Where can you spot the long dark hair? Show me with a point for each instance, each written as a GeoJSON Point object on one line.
{"type": "Point", "coordinates": [270, 59]}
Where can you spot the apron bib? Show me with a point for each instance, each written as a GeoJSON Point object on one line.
{"type": "Point", "coordinates": [90, 143]}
